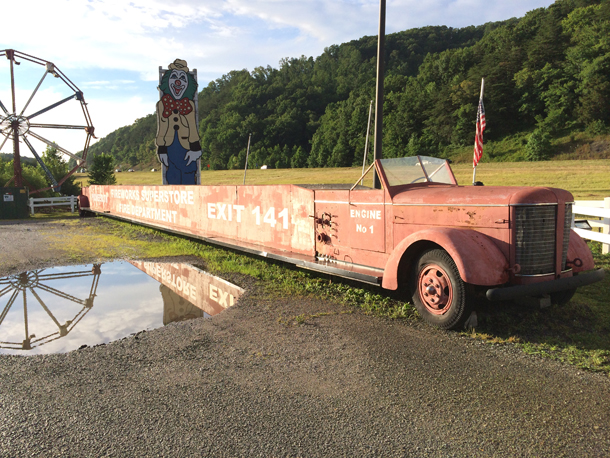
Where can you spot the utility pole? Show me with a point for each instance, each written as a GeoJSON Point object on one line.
{"type": "Point", "coordinates": [379, 91]}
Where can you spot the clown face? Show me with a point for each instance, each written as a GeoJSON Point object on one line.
{"type": "Point", "coordinates": [178, 82]}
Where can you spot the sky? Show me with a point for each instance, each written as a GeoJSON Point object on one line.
{"type": "Point", "coordinates": [112, 49]}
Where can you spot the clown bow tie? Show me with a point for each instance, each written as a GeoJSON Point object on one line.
{"type": "Point", "coordinates": [170, 104]}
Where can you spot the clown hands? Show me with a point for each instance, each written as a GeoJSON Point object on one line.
{"type": "Point", "coordinates": [192, 156]}
{"type": "Point", "coordinates": [163, 159]}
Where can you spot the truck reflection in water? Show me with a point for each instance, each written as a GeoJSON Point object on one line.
{"type": "Point", "coordinates": [207, 292]}
{"type": "Point", "coordinates": [52, 310]}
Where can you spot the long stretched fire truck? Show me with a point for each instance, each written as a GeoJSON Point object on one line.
{"type": "Point", "coordinates": [420, 231]}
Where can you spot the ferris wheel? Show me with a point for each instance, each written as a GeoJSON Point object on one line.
{"type": "Point", "coordinates": [19, 125]}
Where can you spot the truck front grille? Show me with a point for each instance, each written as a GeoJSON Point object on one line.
{"type": "Point", "coordinates": [535, 239]}
{"type": "Point", "coordinates": [567, 226]}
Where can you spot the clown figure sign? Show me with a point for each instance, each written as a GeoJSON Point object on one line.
{"type": "Point", "coordinates": [177, 138]}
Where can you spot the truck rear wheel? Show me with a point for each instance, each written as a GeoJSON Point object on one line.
{"type": "Point", "coordinates": [438, 291]}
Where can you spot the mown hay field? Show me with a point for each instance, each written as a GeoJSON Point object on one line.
{"type": "Point", "coordinates": [586, 180]}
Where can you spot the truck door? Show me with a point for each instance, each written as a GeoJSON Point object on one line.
{"type": "Point", "coordinates": [366, 219]}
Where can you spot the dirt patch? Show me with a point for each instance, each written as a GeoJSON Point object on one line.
{"type": "Point", "coordinates": [24, 245]}
{"type": "Point", "coordinates": [599, 149]}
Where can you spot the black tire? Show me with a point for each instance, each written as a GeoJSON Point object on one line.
{"type": "Point", "coordinates": [437, 290]}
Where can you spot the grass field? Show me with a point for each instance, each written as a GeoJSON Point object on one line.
{"type": "Point", "coordinates": [586, 180]}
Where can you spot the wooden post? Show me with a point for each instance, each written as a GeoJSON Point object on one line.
{"type": "Point", "coordinates": [606, 228]}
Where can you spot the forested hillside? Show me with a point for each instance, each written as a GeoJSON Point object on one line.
{"type": "Point", "coordinates": [547, 75]}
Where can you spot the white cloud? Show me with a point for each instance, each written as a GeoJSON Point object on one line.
{"type": "Point", "coordinates": [116, 47]}
{"type": "Point", "coordinates": [135, 35]}
{"type": "Point", "coordinates": [110, 114]}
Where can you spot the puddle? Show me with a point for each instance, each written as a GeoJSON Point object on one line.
{"type": "Point", "coordinates": [60, 309]}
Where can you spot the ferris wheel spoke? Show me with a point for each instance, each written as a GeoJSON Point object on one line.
{"type": "Point", "coordinates": [42, 164]}
{"type": "Point", "coordinates": [46, 309]}
{"type": "Point", "coordinates": [50, 107]}
{"type": "Point", "coordinates": [3, 107]}
{"type": "Point", "coordinates": [58, 126]}
{"type": "Point", "coordinates": [6, 289]}
{"type": "Point", "coordinates": [25, 315]}
{"type": "Point", "coordinates": [61, 294]}
{"type": "Point", "coordinates": [9, 304]}
{"type": "Point", "coordinates": [63, 275]}
{"type": "Point", "coordinates": [5, 140]}
{"type": "Point", "coordinates": [34, 93]}
{"type": "Point", "coordinates": [78, 160]}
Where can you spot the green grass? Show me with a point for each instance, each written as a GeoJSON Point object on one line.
{"type": "Point", "coordinates": [586, 180]}
{"type": "Point", "coordinates": [54, 214]}
{"type": "Point", "coordinates": [577, 333]}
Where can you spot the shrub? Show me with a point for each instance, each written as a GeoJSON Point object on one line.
{"type": "Point", "coordinates": [538, 147]}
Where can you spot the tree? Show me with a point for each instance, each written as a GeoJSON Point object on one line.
{"type": "Point", "coordinates": [102, 170]}
{"type": "Point", "coordinates": [59, 168]}
{"type": "Point", "coordinates": [32, 175]}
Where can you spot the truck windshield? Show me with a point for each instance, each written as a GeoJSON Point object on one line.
{"type": "Point", "coordinates": [416, 169]}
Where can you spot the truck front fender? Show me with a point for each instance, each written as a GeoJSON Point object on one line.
{"type": "Point", "coordinates": [579, 250]}
{"type": "Point", "coordinates": [478, 259]}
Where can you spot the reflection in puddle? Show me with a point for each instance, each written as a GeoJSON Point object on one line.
{"type": "Point", "coordinates": [60, 309]}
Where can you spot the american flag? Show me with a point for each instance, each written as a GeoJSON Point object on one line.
{"type": "Point", "coordinates": [478, 139]}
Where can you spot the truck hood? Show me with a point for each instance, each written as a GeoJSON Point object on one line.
{"type": "Point", "coordinates": [439, 194]}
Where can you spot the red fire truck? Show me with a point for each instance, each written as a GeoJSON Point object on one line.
{"type": "Point", "coordinates": [421, 231]}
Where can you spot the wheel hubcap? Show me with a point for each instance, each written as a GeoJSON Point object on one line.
{"type": "Point", "coordinates": [435, 289]}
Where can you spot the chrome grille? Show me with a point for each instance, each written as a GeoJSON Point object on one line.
{"type": "Point", "coordinates": [535, 239]}
{"type": "Point", "coordinates": [567, 226]}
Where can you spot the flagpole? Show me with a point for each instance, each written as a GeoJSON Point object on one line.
{"type": "Point", "coordinates": [366, 142]}
{"type": "Point", "coordinates": [247, 154]}
{"type": "Point", "coordinates": [474, 168]}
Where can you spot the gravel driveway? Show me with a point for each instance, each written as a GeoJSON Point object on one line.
{"type": "Point", "coordinates": [245, 383]}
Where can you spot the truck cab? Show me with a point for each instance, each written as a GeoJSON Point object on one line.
{"type": "Point", "coordinates": [441, 241]}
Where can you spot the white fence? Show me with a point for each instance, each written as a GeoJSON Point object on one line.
{"type": "Point", "coordinates": [52, 202]}
{"type": "Point", "coordinates": [600, 209]}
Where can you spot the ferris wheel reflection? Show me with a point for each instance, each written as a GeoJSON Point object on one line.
{"type": "Point", "coordinates": [40, 307]}
{"type": "Point", "coordinates": [18, 287]}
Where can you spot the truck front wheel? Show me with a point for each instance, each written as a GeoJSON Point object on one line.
{"type": "Point", "coordinates": [438, 291]}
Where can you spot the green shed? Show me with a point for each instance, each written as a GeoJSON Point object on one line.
{"type": "Point", "coordinates": [14, 203]}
